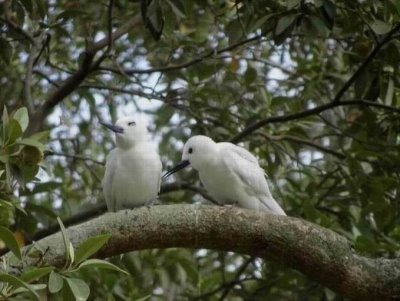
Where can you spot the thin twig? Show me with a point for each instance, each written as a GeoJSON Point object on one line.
{"type": "Point", "coordinates": [46, 77]}
{"type": "Point", "coordinates": [110, 34]}
{"type": "Point", "coordinates": [225, 286]}
{"type": "Point", "coordinates": [306, 142]}
{"type": "Point", "coordinates": [184, 65]}
{"type": "Point", "coordinates": [99, 45]}
{"type": "Point", "coordinates": [123, 91]}
{"type": "Point", "coordinates": [236, 279]}
{"type": "Point", "coordinates": [73, 156]}
{"type": "Point", "coordinates": [29, 71]}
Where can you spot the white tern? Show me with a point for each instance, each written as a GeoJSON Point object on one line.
{"type": "Point", "coordinates": [133, 169]}
{"type": "Point", "coordinates": [230, 174]}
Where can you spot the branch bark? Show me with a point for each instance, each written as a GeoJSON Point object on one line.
{"type": "Point", "coordinates": [319, 253]}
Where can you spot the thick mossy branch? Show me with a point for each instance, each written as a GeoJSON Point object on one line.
{"type": "Point", "coordinates": [319, 253]}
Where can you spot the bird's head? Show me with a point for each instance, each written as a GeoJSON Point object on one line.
{"type": "Point", "coordinates": [128, 131]}
{"type": "Point", "coordinates": [198, 151]}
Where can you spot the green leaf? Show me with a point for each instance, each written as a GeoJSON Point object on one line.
{"type": "Point", "coordinates": [27, 4]}
{"type": "Point", "coordinates": [29, 172]}
{"type": "Point", "coordinates": [102, 264]}
{"type": "Point", "coordinates": [389, 92]}
{"type": "Point", "coordinates": [178, 13]}
{"type": "Point", "coordinates": [284, 23]}
{"type": "Point", "coordinates": [19, 207]}
{"type": "Point", "coordinates": [144, 298]}
{"type": "Point", "coordinates": [250, 76]}
{"type": "Point", "coordinates": [380, 27]}
{"type": "Point", "coordinates": [41, 6]}
{"type": "Point", "coordinates": [14, 131]}
{"type": "Point", "coordinates": [284, 28]}
{"type": "Point", "coordinates": [153, 18]}
{"type": "Point", "coordinates": [292, 3]}
{"type": "Point", "coordinates": [5, 122]}
{"type": "Point", "coordinates": [90, 246]}
{"type": "Point", "coordinates": [7, 215]}
{"type": "Point", "coordinates": [79, 288]}
{"type": "Point", "coordinates": [55, 282]}
{"type": "Point", "coordinates": [396, 3]}
{"type": "Point", "coordinates": [40, 136]}
{"type": "Point", "coordinates": [328, 10]}
{"type": "Point", "coordinates": [71, 252]}
{"type": "Point", "coordinates": [31, 155]}
{"type": "Point", "coordinates": [45, 187]}
{"type": "Point", "coordinates": [6, 51]}
{"type": "Point", "coordinates": [21, 115]}
{"type": "Point", "coordinates": [67, 242]}
{"type": "Point", "coordinates": [8, 175]}
{"type": "Point", "coordinates": [15, 282]}
{"type": "Point", "coordinates": [32, 142]}
{"type": "Point", "coordinates": [35, 273]}
{"type": "Point", "coordinates": [8, 237]}
{"type": "Point", "coordinates": [35, 287]}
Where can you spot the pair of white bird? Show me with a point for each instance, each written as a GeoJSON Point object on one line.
{"type": "Point", "coordinates": [230, 174]}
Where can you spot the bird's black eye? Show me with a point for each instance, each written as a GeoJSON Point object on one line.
{"type": "Point", "coordinates": [131, 123]}
{"type": "Point", "coordinates": [190, 150]}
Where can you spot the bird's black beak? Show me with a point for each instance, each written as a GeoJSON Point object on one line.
{"type": "Point", "coordinates": [114, 128]}
{"type": "Point", "coordinates": [178, 167]}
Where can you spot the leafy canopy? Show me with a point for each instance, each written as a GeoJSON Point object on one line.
{"type": "Point", "coordinates": [310, 87]}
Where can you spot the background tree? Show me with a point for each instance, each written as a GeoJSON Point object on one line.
{"type": "Point", "coordinates": [310, 87]}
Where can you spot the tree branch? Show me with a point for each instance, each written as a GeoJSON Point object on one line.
{"type": "Point", "coordinates": [71, 83]}
{"type": "Point", "coordinates": [73, 156]}
{"type": "Point", "coordinates": [319, 253]}
{"type": "Point", "coordinates": [182, 65]}
{"type": "Point", "coordinates": [124, 91]}
{"type": "Point", "coordinates": [236, 279]}
{"type": "Point", "coordinates": [315, 111]}
{"type": "Point", "coordinates": [100, 209]}
{"type": "Point", "coordinates": [110, 26]}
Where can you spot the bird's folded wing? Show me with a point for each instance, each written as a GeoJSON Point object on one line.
{"type": "Point", "coordinates": [245, 166]}
{"type": "Point", "coordinates": [239, 151]}
{"type": "Point", "coordinates": [111, 166]}
{"type": "Point", "coordinates": [159, 178]}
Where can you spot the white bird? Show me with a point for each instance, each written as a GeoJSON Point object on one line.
{"type": "Point", "coordinates": [230, 174]}
{"type": "Point", "coordinates": [133, 169]}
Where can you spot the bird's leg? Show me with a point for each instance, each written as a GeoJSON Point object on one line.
{"type": "Point", "coordinates": [150, 203]}
{"type": "Point", "coordinates": [231, 205]}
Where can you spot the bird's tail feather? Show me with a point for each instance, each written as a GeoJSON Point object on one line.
{"type": "Point", "coordinates": [272, 206]}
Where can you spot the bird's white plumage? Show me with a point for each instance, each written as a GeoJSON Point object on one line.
{"type": "Point", "coordinates": [133, 169]}
{"type": "Point", "coordinates": [231, 174]}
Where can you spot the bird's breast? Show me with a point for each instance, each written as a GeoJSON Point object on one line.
{"type": "Point", "coordinates": [137, 177]}
{"type": "Point", "coordinates": [220, 183]}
